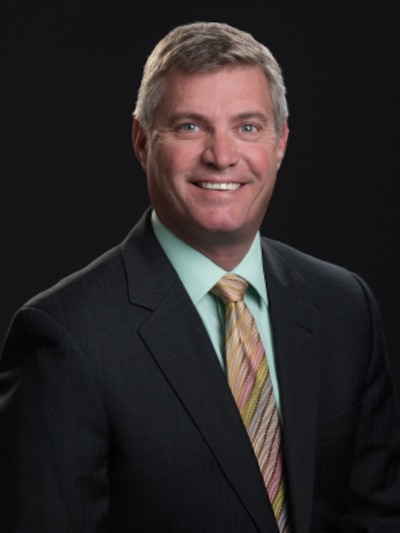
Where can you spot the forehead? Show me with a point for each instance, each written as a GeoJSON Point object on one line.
{"type": "Point", "coordinates": [226, 86]}
{"type": "Point", "coordinates": [219, 94]}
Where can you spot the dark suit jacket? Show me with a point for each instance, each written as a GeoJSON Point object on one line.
{"type": "Point", "coordinates": [115, 414]}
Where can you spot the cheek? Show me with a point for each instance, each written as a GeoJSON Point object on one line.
{"type": "Point", "coordinates": [166, 160]}
{"type": "Point", "coordinates": [261, 163]}
{"type": "Point", "coordinates": [163, 174]}
{"type": "Point", "coordinates": [175, 166]}
{"type": "Point", "coordinates": [271, 159]}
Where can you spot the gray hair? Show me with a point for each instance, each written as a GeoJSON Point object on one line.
{"type": "Point", "coordinates": [205, 47]}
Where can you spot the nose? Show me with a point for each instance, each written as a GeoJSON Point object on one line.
{"type": "Point", "coordinates": [221, 150]}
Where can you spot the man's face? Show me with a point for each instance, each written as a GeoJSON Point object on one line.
{"type": "Point", "coordinates": [213, 154]}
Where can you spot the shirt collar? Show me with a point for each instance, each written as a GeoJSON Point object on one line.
{"type": "Point", "coordinates": [192, 265]}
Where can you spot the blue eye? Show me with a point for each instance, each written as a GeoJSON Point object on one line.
{"type": "Point", "coordinates": [189, 127]}
{"type": "Point", "coordinates": [248, 128]}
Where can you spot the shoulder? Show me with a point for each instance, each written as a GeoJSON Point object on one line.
{"type": "Point", "coordinates": [102, 282]}
{"type": "Point", "coordinates": [286, 259]}
{"type": "Point", "coordinates": [82, 284]}
{"type": "Point", "coordinates": [287, 255]}
{"type": "Point", "coordinates": [319, 281]}
{"type": "Point", "coordinates": [80, 302]}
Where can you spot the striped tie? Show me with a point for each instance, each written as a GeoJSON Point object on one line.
{"type": "Point", "coordinates": [249, 380]}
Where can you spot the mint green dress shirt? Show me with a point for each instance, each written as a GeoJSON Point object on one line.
{"type": "Point", "coordinates": [199, 274]}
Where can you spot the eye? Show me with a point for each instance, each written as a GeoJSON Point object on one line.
{"type": "Point", "coordinates": [188, 126]}
{"type": "Point", "coordinates": [189, 130]}
{"type": "Point", "coordinates": [249, 128]}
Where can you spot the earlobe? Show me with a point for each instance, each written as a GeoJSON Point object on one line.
{"type": "Point", "coordinates": [139, 141]}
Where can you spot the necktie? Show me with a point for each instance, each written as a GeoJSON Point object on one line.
{"type": "Point", "coordinates": [249, 380]}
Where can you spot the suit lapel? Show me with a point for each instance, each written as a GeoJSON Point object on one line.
{"type": "Point", "coordinates": [295, 327]}
{"type": "Point", "coordinates": [197, 378]}
{"type": "Point", "coordinates": [199, 382]}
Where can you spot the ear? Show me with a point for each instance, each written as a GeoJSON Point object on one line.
{"type": "Point", "coordinates": [282, 143]}
{"type": "Point", "coordinates": [139, 141]}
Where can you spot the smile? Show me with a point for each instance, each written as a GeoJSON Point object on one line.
{"type": "Point", "coordinates": [229, 186]}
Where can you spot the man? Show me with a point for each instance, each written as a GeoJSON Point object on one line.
{"type": "Point", "coordinates": [116, 413]}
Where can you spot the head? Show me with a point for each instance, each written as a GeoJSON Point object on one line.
{"type": "Point", "coordinates": [205, 47]}
{"type": "Point", "coordinates": [210, 130]}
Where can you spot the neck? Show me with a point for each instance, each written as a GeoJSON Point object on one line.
{"type": "Point", "coordinates": [225, 251]}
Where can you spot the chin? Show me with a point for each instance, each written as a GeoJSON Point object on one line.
{"type": "Point", "coordinates": [223, 223]}
{"type": "Point", "coordinates": [227, 232]}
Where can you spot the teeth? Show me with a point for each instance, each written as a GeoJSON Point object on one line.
{"type": "Point", "coordinates": [219, 186]}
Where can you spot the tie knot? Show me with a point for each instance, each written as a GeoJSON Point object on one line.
{"type": "Point", "coordinates": [230, 288]}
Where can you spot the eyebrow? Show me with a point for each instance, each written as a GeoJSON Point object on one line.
{"type": "Point", "coordinates": [185, 116]}
{"type": "Point", "coordinates": [253, 115]}
{"type": "Point", "coordinates": [248, 115]}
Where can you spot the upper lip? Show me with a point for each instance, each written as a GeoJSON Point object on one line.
{"type": "Point", "coordinates": [218, 181]}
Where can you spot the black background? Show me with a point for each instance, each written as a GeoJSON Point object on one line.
{"type": "Point", "coordinates": [70, 186]}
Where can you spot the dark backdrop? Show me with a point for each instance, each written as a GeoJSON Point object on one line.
{"type": "Point", "coordinates": [70, 186]}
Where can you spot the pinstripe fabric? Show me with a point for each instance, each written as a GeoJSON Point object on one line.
{"type": "Point", "coordinates": [248, 378]}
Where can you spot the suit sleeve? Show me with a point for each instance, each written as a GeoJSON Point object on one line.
{"type": "Point", "coordinates": [374, 502]}
{"type": "Point", "coordinates": [53, 432]}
